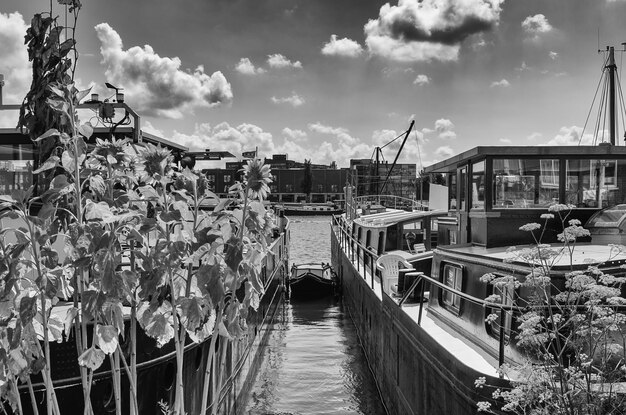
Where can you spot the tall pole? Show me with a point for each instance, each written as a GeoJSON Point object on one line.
{"type": "Point", "coordinates": [612, 67]}
{"type": "Point", "coordinates": [377, 171]}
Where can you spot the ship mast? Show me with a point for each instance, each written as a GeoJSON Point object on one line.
{"type": "Point", "coordinates": [611, 66]}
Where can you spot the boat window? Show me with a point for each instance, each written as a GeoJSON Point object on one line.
{"type": "Point", "coordinates": [525, 183]}
{"type": "Point", "coordinates": [453, 192]}
{"type": "Point", "coordinates": [453, 278]}
{"type": "Point", "coordinates": [595, 183]}
{"type": "Point", "coordinates": [608, 218]}
{"type": "Point", "coordinates": [478, 185]}
{"type": "Point", "coordinates": [462, 184]}
{"type": "Point", "coordinates": [16, 167]}
{"type": "Point", "coordinates": [506, 294]}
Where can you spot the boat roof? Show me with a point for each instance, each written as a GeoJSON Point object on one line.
{"type": "Point", "coordinates": [393, 216]}
{"type": "Point", "coordinates": [583, 253]}
{"type": "Point", "coordinates": [482, 152]}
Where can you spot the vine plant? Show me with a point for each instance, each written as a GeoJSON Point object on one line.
{"type": "Point", "coordinates": [571, 331]}
{"type": "Point", "coordinates": [113, 240]}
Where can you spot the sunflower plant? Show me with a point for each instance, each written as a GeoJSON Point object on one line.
{"type": "Point", "coordinates": [116, 234]}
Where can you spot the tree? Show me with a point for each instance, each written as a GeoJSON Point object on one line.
{"type": "Point", "coordinates": [307, 182]}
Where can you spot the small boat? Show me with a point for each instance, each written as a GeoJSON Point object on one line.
{"type": "Point", "coordinates": [309, 209]}
{"type": "Point", "coordinates": [312, 281]}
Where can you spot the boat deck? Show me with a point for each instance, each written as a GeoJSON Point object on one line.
{"type": "Point", "coordinates": [583, 254]}
{"type": "Point", "coordinates": [453, 343]}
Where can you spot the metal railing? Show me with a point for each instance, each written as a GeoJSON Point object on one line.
{"type": "Point", "coordinates": [390, 201]}
{"type": "Point", "coordinates": [363, 258]}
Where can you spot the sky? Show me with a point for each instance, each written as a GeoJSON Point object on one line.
{"type": "Point", "coordinates": [330, 80]}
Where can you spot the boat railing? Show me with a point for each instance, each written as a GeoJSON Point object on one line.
{"type": "Point", "coordinates": [390, 201]}
{"type": "Point", "coordinates": [365, 260]}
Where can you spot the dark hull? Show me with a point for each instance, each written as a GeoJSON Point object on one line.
{"type": "Point", "coordinates": [414, 374]}
{"type": "Point", "coordinates": [157, 366]}
{"type": "Point", "coordinates": [311, 287]}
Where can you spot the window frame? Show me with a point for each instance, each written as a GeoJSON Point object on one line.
{"type": "Point", "coordinates": [447, 300]}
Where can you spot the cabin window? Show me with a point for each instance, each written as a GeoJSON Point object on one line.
{"type": "Point", "coordinates": [289, 188]}
{"type": "Point", "coordinates": [506, 294]}
{"type": "Point", "coordinates": [478, 185]}
{"type": "Point", "coordinates": [525, 183]}
{"type": "Point", "coordinates": [453, 192]}
{"type": "Point", "coordinates": [16, 167]}
{"type": "Point", "coordinates": [462, 184]}
{"type": "Point", "coordinates": [453, 278]}
{"type": "Point", "coordinates": [595, 183]}
{"type": "Point", "coordinates": [227, 178]}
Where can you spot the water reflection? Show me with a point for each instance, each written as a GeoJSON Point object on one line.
{"type": "Point", "coordinates": [315, 365]}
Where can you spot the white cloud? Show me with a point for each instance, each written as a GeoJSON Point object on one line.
{"type": "Point", "coordinates": [424, 30]}
{"type": "Point", "coordinates": [342, 47]}
{"type": "Point", "coordinates": [279, 61]}
{"type": "Point", "coordinates": [444, 152]}
{"type": "Point", "coordinates": [14, 62]}
{"type": "Point", "coordinates": [553, 55]}
{"type": "Point", "coordinates": [535, 26]}
{"type": "Point", "coordinates": [445, 129]}
{"type": "Point", "coordinates": [571, 136]}
{"type": "Point", "coordinates": [156, 85]}
{"type": "Point", "coordinates": [294, 100]}
{"type": "Point", "coordinates": [247, 68]}
{"type": "Point", "coordinates": [296, 135]}
{"type": "Point", "coordinates": [421, 79]}
{"type": "Point", "coordinates": [224, 137]}
{"type": "Point", "coordinates": [503, 83]}
{"type": "Point", "coordinates": [341, 134]}
{"type": "Point", "coordinates": [534, 136]}
{"type": "Point", "coordinates": [505, 140]}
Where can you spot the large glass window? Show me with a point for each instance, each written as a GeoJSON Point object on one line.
{"type": "Point", "coordinates": [525, 183]}
{"type": "Point", "coordinates": [478, 185]}
{"type": "Point", "coordinates": [595, 183]}
{"type": "Point", "coordinates": [453, 278]}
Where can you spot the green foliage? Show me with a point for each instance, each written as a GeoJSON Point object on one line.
{"type": "Point", "coordinates": [111, 230]}
{"type": "Point", "coordinates": [571, 329]}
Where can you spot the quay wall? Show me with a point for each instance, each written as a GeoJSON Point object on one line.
{"type": "Point", "coordinates": [414, 374]}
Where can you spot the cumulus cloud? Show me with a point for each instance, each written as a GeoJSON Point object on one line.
{"type": "Point", "coordinates": [279, 61]}
{"type": "Point", "coordinates": [505, 140]}
{"type": "Point", "coordinates": [14, 63]}
{"type": "Point", "coordinates": [223, 136]}
{"type": "Point", "coordinates": [535, 26]}
{"type": "Point", "coordinates": [571, 136]}
{"type": "Point", "coordinates": [534, 136]}
{"type": "Point", "coordinates": [444, 152]}
{"type": "Point", "coordinates": [156, 85]}
{"type": "Point", "coordinates": [445, 129]}
{"type": "Point", "coordinates": [503, 83]}
{"type": "Point", "coordinates": [424, 30]}
{"type": "Point", "coordinates": [247, 68]}
{"type": "Point", "coordinates": [296, 135]}
{"type": "Point", "coordinates": [421, 80]}
{"type": "Point", "coordinates": [294, 100]}
{"type": "Point", "coordinates": [553, 55]}
{"type": "Point", "coordinates": [342, 47]}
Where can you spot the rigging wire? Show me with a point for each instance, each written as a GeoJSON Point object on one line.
{"type": "Point", "coordinates": [419, 153]}
{"type": "Point", "coordinates": [622, 105]}
{"type": "Point", "coordinates": [591, 108]}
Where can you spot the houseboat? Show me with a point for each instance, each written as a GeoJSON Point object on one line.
{"type": "Point", "coordinates": [411, 278]}
{"type": "Point", "coordinates": [424, 327]}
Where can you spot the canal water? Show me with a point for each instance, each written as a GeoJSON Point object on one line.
{"type": "Point", "coordinates": [314, 363]}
